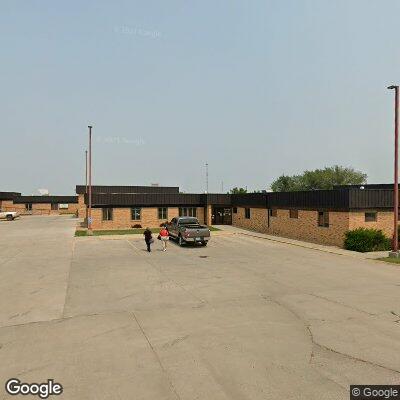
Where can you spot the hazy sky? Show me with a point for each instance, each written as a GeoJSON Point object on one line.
{"type": "Point", "coordinates": [254, 88]}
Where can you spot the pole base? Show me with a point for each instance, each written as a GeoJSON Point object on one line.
{"type": "Point", "coordinates": [394, 254]}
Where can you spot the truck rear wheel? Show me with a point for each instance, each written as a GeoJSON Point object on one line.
{"type": "Point", "coordinates": [9, 217]}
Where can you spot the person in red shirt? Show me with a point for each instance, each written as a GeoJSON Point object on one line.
{"type": "Point", "coordinates": [164, 236]}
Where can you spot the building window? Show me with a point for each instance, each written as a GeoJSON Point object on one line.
{"type": "Point", "coordinates": [294, 214]}
{"type": "Point", "coordinates": [187, 211]}
{"type": "Point", "coordinates": [54, 206]}
{"type": "Point", "coordinates": [273, 212]}
{"type": "Point", "coordinates": [163, 213]}
{"type": "Point", "coordinates": [235, 210]}
{"type": "Point", "coordinates": [247, 213]}
{"type": "Point", "coordinates": [370, 216]}
{"type": "Point", "coordinates": [28, 206]}
{"type": "Point", "coordinates": [107, 214]}
{"type": "Point", "coordinates": [323, 219]}
{"type": "Point", "coordinates": [136, 214]}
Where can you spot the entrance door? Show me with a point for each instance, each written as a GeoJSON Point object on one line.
{"type": "Point", "coordinates": [222, 216]}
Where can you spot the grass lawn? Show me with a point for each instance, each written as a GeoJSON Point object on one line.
{"type": "Point", "coordinates": [390, 260]}
{"type": "Point", "coordinates": [125, 231]}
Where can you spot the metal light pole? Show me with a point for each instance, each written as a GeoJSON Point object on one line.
{"type": "Point", "coordinates": [206, 177]}
{"type": "Point", "coordinates": [396, 170]}
{"type": "Point", "coordinates": [207, 211]}
{"type": "Point", "coordinates": [90, 182]}
{"type": "Point", "coordinates": [86, 184]}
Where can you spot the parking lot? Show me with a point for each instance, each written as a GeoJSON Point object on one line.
{"type": "Point", "coordinates": [243, 318]}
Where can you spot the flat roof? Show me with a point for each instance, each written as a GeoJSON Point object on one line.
{"type": "Point", "coordinates": [9, 195]}
{"type": "Point", "coordinates": [339, 200]}
{"type": "Point", "coordinates": [46, 199]}
{"type": "Point", "coordinates": [104, 189]}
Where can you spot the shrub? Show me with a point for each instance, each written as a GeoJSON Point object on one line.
{"type": "Point", "coordinates": [363, 240]}
{"type": "Point", "coordinates": [137, 226]}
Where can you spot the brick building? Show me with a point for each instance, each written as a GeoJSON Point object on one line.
{"type": "Point", "coordinates": [6, 199]}
{"type": "Point", "coordinates": [321, 216]}
{"type": "Point", "coordinates": [81, 190]}
{"type": "Point", "coordinates": [39, 205]}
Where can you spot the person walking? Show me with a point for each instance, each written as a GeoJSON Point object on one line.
{"type": "Point", "coordinates": [148, 238]}
{"type": "Point", "coordinates": [164, 236]}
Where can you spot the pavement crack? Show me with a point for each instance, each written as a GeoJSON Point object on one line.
{"type": "Point", "coordinates": [68, 277]}
{"type": "Point", "coordinates": [157, 357]}
{"type": "Point", "coordinates": [314, 343]}
{"type": "Point", "coordinates": [341, 304]}
{"type": "Point", "coordinates": [306, 325]}
{"type": "Point", "coordinates": [355, 358]}
{"type": "Point", "coordinates": [106, 332]}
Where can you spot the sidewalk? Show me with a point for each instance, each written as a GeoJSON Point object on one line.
{"type": "Point", "coordinates": [320, 247]}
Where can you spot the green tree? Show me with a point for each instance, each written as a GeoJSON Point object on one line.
{"type": "Point", "coordinates": [237, 190]}
{"type": "Point", "coordinates": [287, 183]}
{"type": "Point", "coordinates": [325, 178]}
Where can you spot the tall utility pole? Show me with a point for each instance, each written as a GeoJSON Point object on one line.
{"type": "Point", "coordinates": [206, 177]}
{"type": "Point", "coordinates": [222, 186]}
{"type": "Point", "coordinates": [86, 183]}
{"type": "Point", "coordinates": [90, 182]}
{"type": "Point", "coordinates": [396, 170]}
{"type": "Point", "coordinates": [207, 211]}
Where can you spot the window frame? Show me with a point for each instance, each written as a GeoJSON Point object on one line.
{"type": "Point", "coordinates": [294, 213]}
{"type": "Point", "coordinates": [187, 212]}
{"type": "Point", "coordinates": [375, 216]}
{"type": "Point", "coordinates": [324, 222]}
{"type": "Point", "coordinates": [28, 206]}
{"type": "Point", "coordinates": [107, 214]}
{"type": "Point", "coordinates": [54, 207]}
{"type": "Point", "coordinates": [135, 213]}
{"type": "Point", "coordinates": [234, 210]}
{"type": "Point", "coordinates": [162, 213]}
{"type": "Point", "coordinates": [247, 213]}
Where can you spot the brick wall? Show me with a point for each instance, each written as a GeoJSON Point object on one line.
{"type": "Point", "coordinates": [172, 212]}
{"type": "Point", "coordinates": [41, 209]}
{"type": "Point", "coordinates": [81, 206]}
{"type": "Point", "coordinates": [384, 221]}
{"type": "Point", "coordinates": [72, 209]}
{"type": "Point", "coordinates": [149, 218]}
{"type": "Point", "coordinates": [201, 214]}
{"type": "Point", "coordinates": [257, 221]}
{"type": "Point", "coordinates": [20, 208]}
{"type": "Point", "coordinates": [38, 208]}
{"type": "Point", "coordinates": [6, 205]}
{"type": "Point", "coordinates": [207, 215]}
{"type": "Point", "coordinates": [306, 228]}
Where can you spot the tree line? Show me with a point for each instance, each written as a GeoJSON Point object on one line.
{"type": "Point", "coordinates": [317, 179]}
